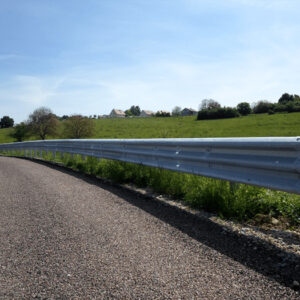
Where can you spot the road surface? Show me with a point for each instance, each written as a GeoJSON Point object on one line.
{"type": "Point", "coordinates": [66, 236]}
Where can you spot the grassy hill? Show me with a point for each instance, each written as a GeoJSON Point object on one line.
{"type": "Point", "coordinates": [188, 127]}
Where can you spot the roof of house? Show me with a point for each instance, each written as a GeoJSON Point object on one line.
{"type": "Point", "coordinates": [117, 111]}
{"type": "Point", "coordinates": [148, 112]}
{"type": "Point", "coordinates": [190, 109]}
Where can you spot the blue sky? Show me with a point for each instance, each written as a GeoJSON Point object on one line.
{"type": "Point", "coordinates": [90, 56]}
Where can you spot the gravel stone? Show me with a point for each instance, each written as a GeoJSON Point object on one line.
{"type": "Point", "coordinates": [66, 236]}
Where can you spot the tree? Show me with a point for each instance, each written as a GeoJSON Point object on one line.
{"type": "Point", "coordinates": [77, 127]}
{"type": "Point", "coordinates": [6, 122]}
{"type": "Point", "coordinates": [217, 113]}
{"type": "Point", "coordinates": [296, 98]}
{"type": "Point", "coordinates": [21, 132]}
{"type": "Point", "coordinates": [176, 111]}
{"type": "Point", "coordinates": [244, 108]}
{"type": "Point", "coordinates": [162, 113]}
{"type": "Point", "coordinates": [43, 122]}
{"type": "Point", "coordinates": [285, 98]}
{"type": "Point", "coordinates": [262, 107]}
{"type": "Point", "coordinates": [135, 110]}
{"type": "Point", "coordinates": [128, 113]}
{"type": "Point", "coordinates": [209, 104]}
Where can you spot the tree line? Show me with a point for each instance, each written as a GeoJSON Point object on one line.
{"type": "Point", "coordinates": [44, 123]}
{"type": "Point", "coordinates": [211, 109]}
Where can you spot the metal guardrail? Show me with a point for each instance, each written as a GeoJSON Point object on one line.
{"type": "Point", "coordinates": [267, 162]}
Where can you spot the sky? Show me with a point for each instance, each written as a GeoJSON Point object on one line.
{"type": "Point", "coordinates": [88, 57]}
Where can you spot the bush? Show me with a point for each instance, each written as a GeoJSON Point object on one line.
{"type": "Point", "coordinates": [289, 107]}
{"type": "Point", "coordinates": [285, 98]}
{"type": "Point", "coordinates": [21, 132]}
{"type": "Point", "coordinates": [218, 113]}
{"type": "Point", "coordinates": [133, 111]}
{"type": "Point", "coordinates": [280, 108]}
{"type": "Point", "coordinates": [77, 127]}
{"type": "Point", "coordinates": [6, 122]}
{"type": "Point", "coordinates": [162, 113]}
{"type": "Point", "coordinates": [244, 108]}
{"type": "Point", "coordinates": [176, 111]}
{"type": "Point", "coordinates": [293, 107]}
{"type": "Point", "coordinates": [262, 107]}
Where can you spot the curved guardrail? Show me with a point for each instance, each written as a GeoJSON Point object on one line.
{"type": "Point", "coordinates": [267, 162]}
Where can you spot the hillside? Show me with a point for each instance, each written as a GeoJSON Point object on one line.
{"type": "Point", "coordinates": [188, 127]}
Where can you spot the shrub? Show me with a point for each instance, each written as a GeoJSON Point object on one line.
{"type": "Point", "coordinates": [77, 127]}
{"type": "Point", "coordinates": [162, 113]}
{"type": "Point", "coordinates": [285, 98]}
{"type": "Point", "coordinates": [6, 122]}
{"type": "Point", "coordinates": [262, 107]}
{"type": "Point", "coordinates": [176, 111]}
{"type": "Point", "coordinates": [218, 113]}
{"type": "Point", "coordinates": [244, 108]}
{"type": "Point", "coordinates": [280, 108]}
{"type": "Point", "coordinates": [21, 131]}
{"type": "Point", "coordinates": [293, 107]}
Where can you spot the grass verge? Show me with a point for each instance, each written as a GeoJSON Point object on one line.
{"type": "Point", "coordinates": [238, 202]}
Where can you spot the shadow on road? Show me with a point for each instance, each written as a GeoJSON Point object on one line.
{"type": "Point", "coordinates": [255, 253]}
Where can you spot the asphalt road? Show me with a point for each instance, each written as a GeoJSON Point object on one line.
{"type": "Point", "coordinates": [65, 236]}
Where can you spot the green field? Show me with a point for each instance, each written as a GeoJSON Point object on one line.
{"type": "Point", "coordinates": [241, 202]}
{"type": "Point", "coordinates": [188, 127]}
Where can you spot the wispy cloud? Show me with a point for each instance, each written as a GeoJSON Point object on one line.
{"type": "Point", "coordinates": [7, 56]}
{"type": "Point", "coordinates": [29, 89]}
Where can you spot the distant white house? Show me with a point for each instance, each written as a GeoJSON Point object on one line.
{"type": "Point", "coordinates": [117, 113]}
{"type": "Point", "coordinates": [188, 112]}
{"type": "Point", "coordinates": [146, 113]}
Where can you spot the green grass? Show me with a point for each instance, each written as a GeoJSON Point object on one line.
{"type": "Point", "coordinates": [241, 202]}
{"type": "Point", "coordinates": [188, 127]}
{"type": "Point", "coordinates": [5, 135]}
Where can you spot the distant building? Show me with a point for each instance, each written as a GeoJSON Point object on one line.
{"type": "Point", "coordinates": [146, 113]}
{"type": "Point", "coordinates": [117, 113]}
{"type": "Point", "coordinates": [103, 116]}
{"type": "Point", "coordinates": [188, 112]}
